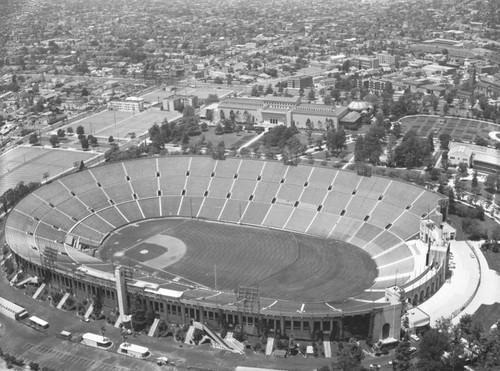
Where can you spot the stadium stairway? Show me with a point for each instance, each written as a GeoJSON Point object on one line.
{"type": "Point", "coordinates": [237, 346]}
{"type": "Point", "coordinates": [40, 289]}
{"type": "Point", "coordinates": [328, 349]}
{"type": "Point", "coordinates": [153, 328]}
{"type": "Point", "coordinates": [217, 341]}
{"type": "Point", "coordinates": [62, 301]}
{"type": "Point", "coordinates": [189, 335]}
{"type": "Point", "coordinates": [269, 346]}
{"type": "Point", "coordinates": [89, 311]}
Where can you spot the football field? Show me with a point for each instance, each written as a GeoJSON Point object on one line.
{"type": "Point", "coordinates": [283, 265]}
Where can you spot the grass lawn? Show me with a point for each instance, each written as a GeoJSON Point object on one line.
{"type": "Point", "coordinates": [229, 139]}
{"type": "Point", "coordinates": [493, 260]}
{"type": "Point", "coordinates": [279, 262]}
{"type": "Point", "coordinates": [488, 315]}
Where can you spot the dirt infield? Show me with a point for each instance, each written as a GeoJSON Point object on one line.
{"type": "Point", "coordinates": [284, 265]}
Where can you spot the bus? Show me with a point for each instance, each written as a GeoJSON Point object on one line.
{"type": "Point", "coordinates": [12, 310]}
{"type": "Point", "coordinates": [96, 341]}
{"type": "Point", "coordinates": [133, 350]}
{"type": "Point", "coordinates": [38, 323]}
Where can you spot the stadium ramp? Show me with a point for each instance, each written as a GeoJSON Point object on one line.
{"type": "Point", "coordinates": [153, 328]}
{"type": "Point", "coordinates": [39, 291]}
{"type": "Point", "coordinates": [63, 300]}
{"type": "Point", "coordinates": [328, 349]}
{"type": "Point", "coordinates": [217, 341]}
{"type": "Point", "coordinates": [269, 346]}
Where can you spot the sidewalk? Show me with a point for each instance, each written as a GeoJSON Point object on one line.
{"type": "Point", "coordinates": [455, 293]}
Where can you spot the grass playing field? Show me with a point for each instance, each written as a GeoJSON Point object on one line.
{"type": "Point", "coordinates": [462, 129]}
{"type": "Point", "coordinates": [283, 265]}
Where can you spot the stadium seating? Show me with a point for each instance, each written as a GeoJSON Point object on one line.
{"type": "Point", "coordinates": [211, 208]}
{"type": "Point", "coordinates": [345, 228]}
{"type": "Point", "coordinates": [33, 206]}
{"type": "Point", "coordinates": [144, 188]}
{"type": "Point", "coordinates": [346, 182]}
{"type": "Point", "coordinates": [266, 191]}
{"type": "Point", "coordinates": [372, 187]}
{"type": "Point", "coordinates": [274, 172]}
{"type": "Point", "coordinates": [382, 242]}
{"type": "Point", "coordinates": [243, 188]}
{"type": "Point", "coordinates": [300, 219]}
{"type": "Point", "coordinates": [318, 201]}
{"type": "Point", "coordinates": [335, 202]}
{"type": "Point", "coordinates": [220, 187]}
{"type": "Point", "coordinates": [202, 167]}
{"type": "Point", "coordinates": [54, 195]}
{"type": "Point", "coordinates": [120, 192]}
{"type": "Point", "coordinates": [404, 225]}
{"type": "Point", "coordinates": [197, 185]}
{"type": "Point", "coordinates": [112, 216]}
{"type": "Point", "coordinates": [298, 175]}
{"type": "Point", "coordinates": [57, 219]}
{"type": "Point", "coordinates": [312, 197]}
{"type": "Point", "coordinates": [141, 169]}
{"type": "Point", "coordinates": [322, 178]}
{"type": "Point", "coordinates": [107, 175]}
{"type": "Point", "coordinates": [322, 224]}
{"type": "Point", "coordinates": [172, 185]}
{"type": "Point", "coordinates": [289, 194]}
{"type": "Point", "coordinates": [395, 253]}
{"type": "Point", "coordinates": [359, 207]}
{"type": "Point", "coordinates": [277, 216]}
{"type": "Point", "coordinates": [79, 183]}
{"type": "Point", "coordinates": [233, 210]}
{"type": "Point", "coordinates": [384, 213]}
{"type": "Point", "coordinates": [365, 234]}
{"type": "Point", "coordinates": [150, 207]}
{"type": "Point", "coordinates": [400, 195]}
{"type": "Point", "coordinates": [173, 166]}
{"type": "Point", "coordinates": [190, 206]}
{"type": "Point", "coordinates": [255, 213]}
{"type": "Point", "coordinates": [170, 205]}
{"type": "Point", "coordinates": [226, 169]}
{"type": "Point", "coordinates": [96, 223]}
{"type": "Point", "coordinates": [250, 169]}
{"type": "Point", "coordinates": [74, 208]}
{"type": "Point", "coordinates": [95, 199]}
{"type": "Point", "coordinates": [131, 211]}
{"type": "Point", "coordinates": [424, 204]}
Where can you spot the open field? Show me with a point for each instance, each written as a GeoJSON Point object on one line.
{"type": "Point", "coordinates": [138, 124]}
{"type": "Point", "coordinates": [31, 163]}
{"type": "Point", "coordinates": [282, 264]}
{"type": "Point", "coordinates": [229, 139]}
{"type": "Point", "coordinates": [460, 129]}
{"type": "Point", "coordinates": [119, 124]}
{"type": "Point", "coordinates": [488, 315]}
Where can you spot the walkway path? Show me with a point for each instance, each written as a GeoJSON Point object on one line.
{"type": "Point", "coordinates": [489, 289]}
{"type": "Point", "coordinates": [455, 293]}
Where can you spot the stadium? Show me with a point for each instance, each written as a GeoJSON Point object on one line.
{"type": "Point", "coordinates": [275, 248]}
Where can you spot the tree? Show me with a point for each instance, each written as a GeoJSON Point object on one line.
{"type": "Point", "coordinates": [111, 139]}
{"type": "Point", "coordinates": [328, 100]}
{"type": "Point", "coordinates": [92, 140]}
{"type": "Point", "coordinates": [212, 98]}
{"type": "Point", "coordinates": [219, 130]}
{"type": "Point", "coordinates": [430, 141]}
{"type": "Point", "coordinates": [412, 151]}
{"type": "Point", "coordinates": [70, 131]}
{"type": "Point", "coordinates": [336, 140]}
{"type": "Point", "coordinates": [403, 354]}
{"type": "Point", "coordinates": [61, 133]}
{"type": "Point", "coordinates": [445, 140]}
{"type": "Point", "coordinates": [85, 143]}
{"type": "Point", "coordinates": [80, 130]}
{"type": "Point", "coordinates": [311, 95]}
{"type": "Point", "coordinates": [254, 92]}
{"type": "Point", "coordinates": [54, 140]}
{"type": "Point", "coordinates": [33, 138]}
{"type": "Point", "coordinates": [431, 348]}
{"type": "Point", "coordinates": [490, 182]}
{"type": "Point", "coordinates": [446, 108]}
{"type": "Point", "coordinates": [269, 89]}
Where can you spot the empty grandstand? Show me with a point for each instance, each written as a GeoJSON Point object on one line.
{"type": "Point", "coordinates": [74, 216]}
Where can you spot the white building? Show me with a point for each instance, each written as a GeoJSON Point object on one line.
{"type": "Point", "coordinates": [130, 104]}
